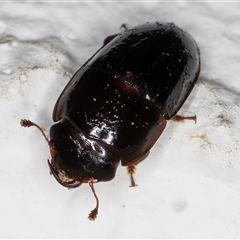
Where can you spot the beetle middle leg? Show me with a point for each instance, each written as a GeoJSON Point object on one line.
{"type": "Point", "coordinates": [131, 171]}
{"type": "Point", "coordinates": [179, 118]}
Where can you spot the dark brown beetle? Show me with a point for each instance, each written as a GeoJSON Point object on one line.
{"type": "Point", "coordinates": [116, 105]}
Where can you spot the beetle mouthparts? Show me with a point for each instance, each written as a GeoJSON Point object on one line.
{"type": "Point", "coordinates": [62, 178]}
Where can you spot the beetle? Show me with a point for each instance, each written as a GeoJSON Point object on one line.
{"type": "Point", "coordinates": [117, 104]}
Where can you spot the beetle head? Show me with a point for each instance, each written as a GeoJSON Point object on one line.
{"type": "Point", "coordinates": [98, 161]}
{"type": "Point", "coordinates": [77, 158]}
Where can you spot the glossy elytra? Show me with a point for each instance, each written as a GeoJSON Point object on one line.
{"type": "Point", "coordinates": [117, 104]}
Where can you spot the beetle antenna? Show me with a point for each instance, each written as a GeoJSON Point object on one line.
{"type": "Point", "coordinates": [93, 214]}
{"type": "Point", "coordinates": [28, 123]}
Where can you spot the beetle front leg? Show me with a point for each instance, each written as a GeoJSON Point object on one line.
{"type": "Point", "coordinates": [131, 170]}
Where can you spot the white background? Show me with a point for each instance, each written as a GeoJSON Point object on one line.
{"type": "Point", "coordinates": [189, 186]}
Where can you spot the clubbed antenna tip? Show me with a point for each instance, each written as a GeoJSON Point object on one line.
{"type": "Point", "coordinates": [28, 123]}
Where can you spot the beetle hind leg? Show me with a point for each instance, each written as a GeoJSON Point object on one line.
{"type": "Point", "coordinates": [131, 171]}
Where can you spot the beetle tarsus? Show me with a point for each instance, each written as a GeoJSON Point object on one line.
{"type": "Point", "coordinates": [179, 118]}
{"type": "Point", "coordinates": [93, 214]}
{"type": "Point", "coordinates": [131, 170]}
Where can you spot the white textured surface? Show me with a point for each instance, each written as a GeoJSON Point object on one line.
{"type": "Point", "coordinates": [190, 184]}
